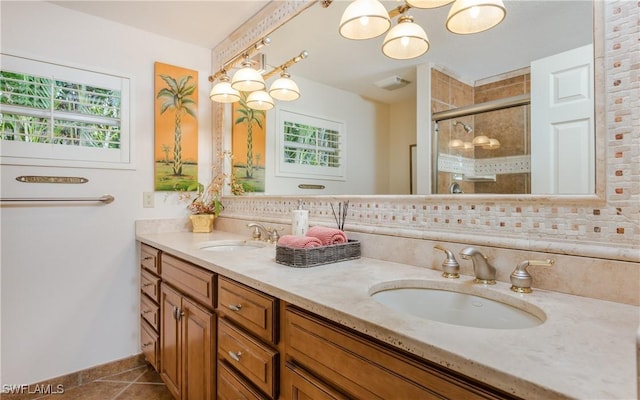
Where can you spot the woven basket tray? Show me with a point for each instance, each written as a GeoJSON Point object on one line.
{"type": "Point", "coordinates": [302, 258]}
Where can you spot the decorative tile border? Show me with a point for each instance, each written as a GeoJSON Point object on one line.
{"type": "Point", "coordinates": [484, 166]}
{"type": "Point", "coordinates": [582, 225]}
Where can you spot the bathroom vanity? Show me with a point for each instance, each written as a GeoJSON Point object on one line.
{"type": "Point", "coordinates": [242, 326]}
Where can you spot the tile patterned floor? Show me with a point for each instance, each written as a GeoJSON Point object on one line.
{"type": "Point", "coordinates": [142, 383]}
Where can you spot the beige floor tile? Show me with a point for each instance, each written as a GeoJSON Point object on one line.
{"type": "Point", "coordinates": [145, 391]}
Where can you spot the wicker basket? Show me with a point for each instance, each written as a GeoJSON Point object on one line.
{"type": "Point", "coordinates": [302, 258]}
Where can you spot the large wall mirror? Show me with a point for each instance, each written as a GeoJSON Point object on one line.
{"type": "Point", "coordinates": [388, 107]}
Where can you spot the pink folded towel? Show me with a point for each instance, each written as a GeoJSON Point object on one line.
{"type": "Point", "coordinates": [327, 236]}
{"type": "Point", "coordinates": [299, 242]}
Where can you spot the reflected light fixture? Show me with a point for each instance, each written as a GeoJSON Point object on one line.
{"type": "Point", "coordinates": [364, 19]}
{"type": "Point", "coordinates": [492, 145]}
{"type": "Point", "coordinates": [406, 40]}
{"type": "Point", "coordinates": [247, 79]}
{"type": "Point", "coordinates": [284, 88]}
{"type": "Point", "coordinates": [260, 100]}
{"type": "Point", "coordinates": [481, 140]}
{"type": "Point", "coordinates": [473, 16]}
{"type": "Point", "coordinates": [456, 144]}
{"type": "Point", "coordinates": [222, 92]}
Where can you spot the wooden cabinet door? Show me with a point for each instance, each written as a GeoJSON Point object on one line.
{"type": "Point", "coordinates": [170, 337]}
{"type": "Point", "coordinates": [198, 327]}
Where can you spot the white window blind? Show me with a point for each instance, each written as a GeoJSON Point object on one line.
{"type": "Point", "coordinates": [310, 146]}
{"type": "Point", "coordinates": [56, 115]}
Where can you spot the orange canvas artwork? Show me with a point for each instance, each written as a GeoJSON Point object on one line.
{"type": "Point", "coordinates": [176, 128]}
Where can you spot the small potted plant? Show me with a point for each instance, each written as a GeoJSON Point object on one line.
{"type": "Point", "coordinates": [207, 204]}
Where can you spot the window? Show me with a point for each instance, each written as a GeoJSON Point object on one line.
{"type": "Point", "coordinates": [310, 147]}
{"type": "Point", "coordinates": [56, 115]}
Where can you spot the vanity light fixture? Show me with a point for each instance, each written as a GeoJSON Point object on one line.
{"type": "Point", "coordinates": [406, 40]}
{"type": "Point", "coordinates": [284, 88]}
{"type": "Point", "coordinates": [481, 140]}
{"type": "Point", "coordinates": [260, 100]}
{"type": "Point", "coordinates": [473, 16]}
{"type": "Point", "coordinates": [492, 145]}
{"type": "Point", "coordinates": [222, 92]}
{"type": "Point", "coordinates": [247, 79]}
{"type": "Point", "coordinates": [366, 19]}
{"type": "Point", "coordinates": [252, 82]}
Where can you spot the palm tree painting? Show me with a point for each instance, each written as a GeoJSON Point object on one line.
{"type": "Point", "coordinates": [176, 127]}
{"type": "Point", "coordinates": [248, 145]}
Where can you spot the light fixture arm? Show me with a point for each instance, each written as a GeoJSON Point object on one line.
{"type": "Point", "coordinates": [303, 54]}
{"type": "Point", "coordinates": [248, 52]}
{"type": "Point", "coordinates": [401, 9]}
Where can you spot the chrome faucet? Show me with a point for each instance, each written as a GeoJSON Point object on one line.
{"type": "Point", "coordinates": [485, 272]}
{"type": "Point", "coordinates": [271, 235]}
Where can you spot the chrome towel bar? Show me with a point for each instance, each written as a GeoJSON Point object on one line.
{"type": "Point", "coordinates": [106, 199]}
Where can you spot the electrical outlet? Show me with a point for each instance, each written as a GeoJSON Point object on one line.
{"type": "Point", "coordinates": [147, 199]}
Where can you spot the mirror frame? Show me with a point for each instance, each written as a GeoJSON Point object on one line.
{"type": "Point", "coordinates": [277, 13]}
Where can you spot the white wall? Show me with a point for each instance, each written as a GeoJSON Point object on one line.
{"type": "Point", "coordinates": [69, 275]}
{"type": "Point", "coordinates": [366, 124]}
{"type": "Point", "coordinates": [402, 131]}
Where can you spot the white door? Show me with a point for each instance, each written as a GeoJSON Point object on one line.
{"type": "Point", "coordinates": [562, 123]}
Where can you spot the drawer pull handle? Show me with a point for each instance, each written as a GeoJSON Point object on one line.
{"type": "Point", "coordinates": [147, 344]}
{"type": "Point", "coordinates": [235, 356]}
{"type": "Point", "coordinates": [148, 258]}
{"type": "Point", "coordinates": [146, 311]}
{"type": "Point", "coordinates": [147, 284]}
{"type": "Point", "coordinates": [234, 307]}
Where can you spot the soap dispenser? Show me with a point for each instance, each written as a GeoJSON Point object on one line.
{"type": "Point", "coordinates": [300, 221]}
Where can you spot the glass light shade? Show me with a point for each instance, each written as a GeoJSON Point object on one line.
{"type": "Point", "coordinates": [260, 100]}
{"type": "Point", "coordinates": [222, 92]}
{"type": "Point", "coordinates": [284, 88]}
{"type": "Point", "coordinates": [428, 3]}
{"type": "Point", "coordinates": [405, 40]}
{"type": "Point", "coordinates": [364, 19]}
{"type": "Point", "coordinates": [468, 145]}
{"type": "Point", "coordinates": [247, 79]}
{"type": "Point", "coordinates": [456, 144]}
{"type": "Point", "coordinates": [473, 16]}
{"type": "Point", "coordinates": [480, 140]}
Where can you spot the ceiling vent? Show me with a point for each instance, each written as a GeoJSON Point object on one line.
{"type": "Point", "coordinates": [392, 83]}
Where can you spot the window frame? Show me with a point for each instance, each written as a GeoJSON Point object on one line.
{"type": "Point", "coordinates": [294, 170]}
{"type": "Point", "coordinates": [60, 155]}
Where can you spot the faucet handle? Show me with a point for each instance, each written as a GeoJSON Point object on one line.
{"type": "Point", "coordinates": [274, 236]}
{"type": "Point", "coordinates": [450, 266]}
{"type": "Point", "coordinates": [521, 279]}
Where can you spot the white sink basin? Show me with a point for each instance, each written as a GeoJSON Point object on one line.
{"type": "Point", "coordinates": [231, 245]}
{"type": "Point", "coordinates": [457, 308]}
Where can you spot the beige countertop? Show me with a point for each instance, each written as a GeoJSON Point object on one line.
{"type": "Point", "coordinates": [585, 349]}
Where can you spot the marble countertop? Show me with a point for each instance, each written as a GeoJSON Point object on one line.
{"type": "Point", "coordinates": [585, 349]}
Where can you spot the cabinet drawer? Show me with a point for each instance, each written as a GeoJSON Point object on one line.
{"type": "Point", "coordinates": [365, 369]}
{"type": "Point", "coordinates": [193, 281]}
{"type": "Point", "coordinates": [150, 345]}
{"type": "Point", "coordinates": [150, 285]}
{"type": "Point", "coordinates": [150, 311]}
{"type": "Point", "coordinates": [233, 387]}
{"type": "Point", "coordinates": [150, 258]}
{"type": "Point", "coordinates": [249, 308]}
{"type": "Point", "coordinates": [257, 362]}
{"type": "Point", "coordinates": [300, 385]}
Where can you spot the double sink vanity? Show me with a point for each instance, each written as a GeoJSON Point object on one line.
{"type": "Point", "coordinates": [234, 323]}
